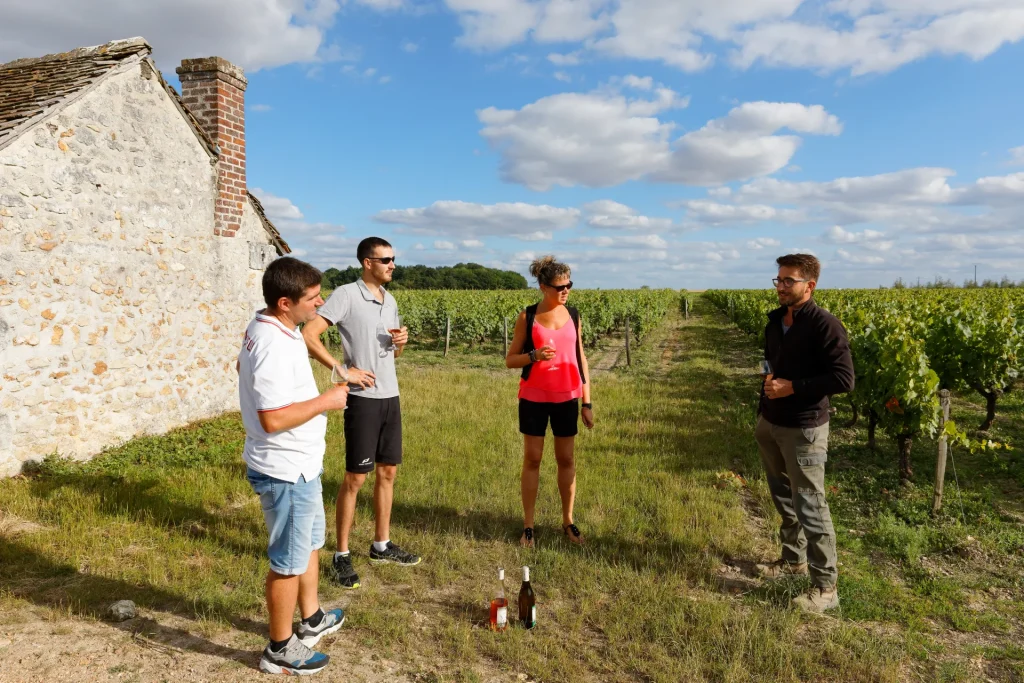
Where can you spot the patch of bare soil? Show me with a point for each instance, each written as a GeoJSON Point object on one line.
{"type": "Point", "coordinates": [40, 645]}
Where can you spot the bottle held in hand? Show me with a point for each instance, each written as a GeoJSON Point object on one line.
{"type": "Point", "coordinates": [527, 602]}
{"type": "Point", "coordinates": [499, 605]}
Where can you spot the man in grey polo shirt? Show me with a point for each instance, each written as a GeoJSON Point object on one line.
{"type": "Point", "coordinates": [367, 318]}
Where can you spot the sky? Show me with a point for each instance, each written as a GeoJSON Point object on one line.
{"type": "Point", "coordinates": [668, 143]}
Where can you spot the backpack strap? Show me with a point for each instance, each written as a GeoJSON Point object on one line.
{"type": "Point", "coordinates": [575, 315]}
{"type": "Point", "coordinates": [531, 313]}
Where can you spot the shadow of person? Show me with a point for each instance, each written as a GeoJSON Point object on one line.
{"type": "Point", "coordinates": [27, 574]}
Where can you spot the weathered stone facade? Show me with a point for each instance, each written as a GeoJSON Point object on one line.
{"type": "Point", "coordinates": [120, 309]}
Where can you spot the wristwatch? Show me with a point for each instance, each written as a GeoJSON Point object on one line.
{"type": "Point", "coordinates": [589, 406]}
{"type": "Point", "coordinates": [533, 355]}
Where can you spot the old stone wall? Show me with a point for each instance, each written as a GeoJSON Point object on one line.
{"type": "Point", "coordinates": [120, 310]}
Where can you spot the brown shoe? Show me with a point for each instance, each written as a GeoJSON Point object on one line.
{"type": "Point", "coordinates": [780, 568]}
{"type": "Point", "coordinates": [817, 600]}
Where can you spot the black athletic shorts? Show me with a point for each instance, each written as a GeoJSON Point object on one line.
{"type": "Point", "coordinates": [533, 417]}
{"type": "Point", "coordinates": [373, 433]}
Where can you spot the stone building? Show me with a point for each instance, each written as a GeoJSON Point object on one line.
{"type": "Point", "coordinates": [131, 251]}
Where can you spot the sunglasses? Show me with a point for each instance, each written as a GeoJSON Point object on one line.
{"type": "Point", "coordinates": [384, 259]}
{"type": "Point", "coordinates": [787, 282]}
{"type": "Point", "coordinates": [561, 288]}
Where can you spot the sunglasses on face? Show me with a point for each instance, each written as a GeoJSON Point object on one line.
{"type": "Point", "coordinates": [561, 288]}
{"type": "Point", "coordinates": [787, 282]}
{"type": "Point", "coordinates": [384, 259]}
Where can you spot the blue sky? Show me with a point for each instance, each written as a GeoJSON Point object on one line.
{"type": "Point", "coordinates": [681, 143]}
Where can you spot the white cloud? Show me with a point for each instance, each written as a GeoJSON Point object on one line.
{"type": "Point", "coordinates": [611, 215]}
{"type": "Point", "coordinates": [605, 138]}
{"type": "Point", "coordinates": [867, 259]}
{"type": "Point", "coordinates": [762, 243]}
{"type": "Point", "coordinates": [838, 235]}
{"type": "Point", "coordinates": [384, 79]}
{"type": "Point", "coordinates": [256, 34]}
{"type": "Point", "coordinates": [277, 208]}
{"type": "Point", "coordinates": [562, 76]}
{"type": "Point", "coordinates": [410, 47]}
{"type": "Point", "coordinates": [370, 72]}
{"type": "Point", "coordinates": [863, 36]}
{"type": "Point", "coordinates": [743, 144]}
{"type": "Point", "coordinates": [472, 244]}
{"type": "Point", "coordinates": [597, 139]}
{"type": "Point", "coordinates": [1017, 155]}
{"type": "Point", "coordinates": [571, 59]}
{"type": "Point", "coordinates": [883, 34]}
{"type": "Point", "coordinates": [260, 107]}
{"type": "Point", "coordinates": [714, 213]}
{"type": "Point", "coordinates": [441, 245]}
{"type": "Point", "coordinates": [470, 221]}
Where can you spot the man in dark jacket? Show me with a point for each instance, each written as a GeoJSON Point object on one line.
{"type": "Point", "coordinates": [810, 361]}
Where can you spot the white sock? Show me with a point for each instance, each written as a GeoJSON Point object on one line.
{"type": "Point", "coordinates": [381, 546]}
{"type": "Point", "coordinates": [344, 554]}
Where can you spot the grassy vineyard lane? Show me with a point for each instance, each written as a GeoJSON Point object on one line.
{"type": "Point", "coordinates": [670, 491]}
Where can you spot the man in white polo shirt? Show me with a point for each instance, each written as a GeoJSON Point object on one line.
{"type": "Point", "coordinates": [367, 318]}
{"type": "Point", "coordinates": [285, 426]}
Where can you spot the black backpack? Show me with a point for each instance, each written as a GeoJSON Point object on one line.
{"type": "Point", "coordinates": [531, 313]}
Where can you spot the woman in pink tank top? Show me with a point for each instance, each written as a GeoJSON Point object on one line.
{"type": "Point", "coordinates": [547, 346]}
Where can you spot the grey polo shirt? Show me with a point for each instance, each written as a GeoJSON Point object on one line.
{"type": "Point", "coordinates": [359, 316]}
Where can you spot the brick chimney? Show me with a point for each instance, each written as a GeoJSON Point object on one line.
{"type": "Point", "coordinates": [214, 91]}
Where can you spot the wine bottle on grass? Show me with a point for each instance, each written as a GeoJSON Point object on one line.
{"type": "Point", "coordinates": [527, 602]}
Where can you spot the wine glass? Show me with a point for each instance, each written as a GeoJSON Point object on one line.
{"type": "Point", "coordinates": [550, 343]}
{"type": "Point", "coordinates": [337, 379]}
{"type": "Point", "coordinates": [764, 368]}
{"type": "Point", "coordinates": [395, 330]}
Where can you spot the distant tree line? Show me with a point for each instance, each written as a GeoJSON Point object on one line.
{"type": "Point", "coordinates": [941, 283]}
{"type": "Point", "coordinates": [459, 276]}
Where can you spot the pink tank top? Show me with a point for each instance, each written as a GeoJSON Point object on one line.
{"type": "Point", "coordinates": [557, 380]}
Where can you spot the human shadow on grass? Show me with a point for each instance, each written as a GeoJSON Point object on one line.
{"type": "Point", "coordinates": [29, 575]}
{"type": "Point", "coordinates": [143, 501]}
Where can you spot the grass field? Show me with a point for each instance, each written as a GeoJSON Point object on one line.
{"type": "Point", "coordinates": [657, 594]}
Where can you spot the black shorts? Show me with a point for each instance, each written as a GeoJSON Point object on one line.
{"type": "Point", "coordinates": [373, 433]}
{"type": "Point", "coordinates": [533, 417]}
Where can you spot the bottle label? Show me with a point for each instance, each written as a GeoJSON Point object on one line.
{"type": "Point", "coordinates": [502, 616]}
{"type": "Point", "coordinates": [533, 616]}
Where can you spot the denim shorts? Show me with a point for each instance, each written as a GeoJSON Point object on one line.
{"type": "Point", "coordinates": [294, 513]}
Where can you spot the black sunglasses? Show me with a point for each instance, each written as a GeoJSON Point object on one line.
{"type": "Point", "coordinates": [383, 259]}
{"type": "Point", "coordinates": [561, 288]}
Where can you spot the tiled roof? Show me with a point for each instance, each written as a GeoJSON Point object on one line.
{"type": "Point", "coordinates": [275, 236]}
{"type": "Point", "coordinates": [31, 87]}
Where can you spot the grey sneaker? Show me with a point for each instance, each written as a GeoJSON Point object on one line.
{"type": "Point", "coordinates": [780, 568]}
{"type": "Point", "coordinates": [393, 554]}
{"type": "Point", "coordinates": [817, 600]}
{"type": "Point", "coordinates": [295, 659]}
{"type": "Point", "coordinates": [311, 635]}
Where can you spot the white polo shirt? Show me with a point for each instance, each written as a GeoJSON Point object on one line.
{"type": "Point", "coordinates": [273, 373]}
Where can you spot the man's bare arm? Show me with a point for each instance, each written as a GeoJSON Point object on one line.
{"type": "Point", "coordinates": [311, 332]}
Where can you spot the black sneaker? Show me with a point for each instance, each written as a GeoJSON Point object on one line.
{"type": "Point", "coordinates": [343, 573]}
{"type": "Point", "coordinates": [393, 554]}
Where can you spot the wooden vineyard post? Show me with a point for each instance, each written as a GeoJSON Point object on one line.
{"type": "Point", "coordinates": [686, 308]}
{"type": "Point", "coordinates": [940, 464]}
{"type": "Point", "coordinates": [447, 334]}
{"type": "Point", "coordinates": [504, 323]}
{"type": "Point", "coordinates": [629, 358]}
